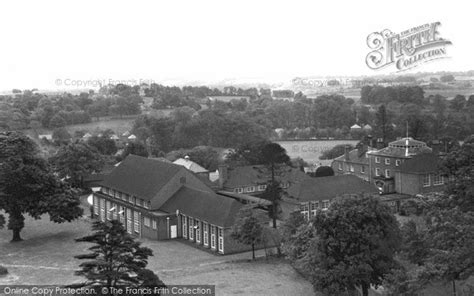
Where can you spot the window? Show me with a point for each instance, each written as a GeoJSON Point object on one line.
{"type": "Point", "coordinates": [238, 190]}
{"type": "Point", "coordinates": [136, 222]}
{"type": "Point", "coordinates": [139, 202]}
{"type": "Point", "coordinates": [111, 192]}
{"type": "Point", "coordinates": [198, 231]}
{"type": "Point", "coordinates": [146, 221]}
{"type": "Point", "coordinates": [114, 211]}
{"type": "Point", "coordinates": [205, 230]}
{"type": "Point", "coordinates": [362, 169]}
{"type": "Point", "coordinates": [184, 225]}
{"type": "Point", "coordinates": [96, 205]}
{"type": "Point", "coordinates": [397, 162]}
{"type": "Point", "coordinates": [426, 180]}
{"type": "Point", "coordinates": [438, 179]}
{"type": "Point", "coordinates": [377, 172]}
{"type": "Point", "coordinates": [119, 195]}
{"type": "Point", "coordinates": [154, 224]}
{"type": "Point", "coordinates": [387, 161]}
{"type": "Point", "coordinates": [130, 199]}
{"type": "Point", "coordinates": [220, 233]}
{"type": "Point", "coordinates": [102, 210]}
{"type": "Point", "coordinates": [314, 207]}
{"type": "Point", "coordinates": [191, 229]}
{"type": "Point", "coordinates": [377, 159]}
{"type": "Point", "coordinates": [249, 189]}
{"type": "Point", "coordinates": [387, 173]}
{"type": "Point", "coordinates": [121, 214]}
{"type": "Point", "coordinates": [129, 220]}
{"type": "Point", "coordinates": [213, 237]}
{"type": "Point", "coordinates": [124, 197]}
{"type": "Point", "coordinates": [305, 210]}
{"type": "Point", "coordinates": [262, 187]}
{"type": "Point", "coordinates": [109, 210]}
{"type": "Point", "coordinates": [339, 166]}
{"type": "Point", "coordinates": [325, 204]}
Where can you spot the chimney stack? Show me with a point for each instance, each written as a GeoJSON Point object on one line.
{"type": "Point", "coordinates": [222, 168]}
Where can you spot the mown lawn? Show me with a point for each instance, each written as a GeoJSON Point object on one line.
{"type": "Point", "coordinates": [46, 257]}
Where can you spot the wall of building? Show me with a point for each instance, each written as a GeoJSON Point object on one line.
{"type": "Point", "coordinates": [346, 167]}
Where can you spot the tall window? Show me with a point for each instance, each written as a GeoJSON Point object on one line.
{"type": "Point", "coordinates": [96, 205]}
{"type": "Point", "coordinates": [221, 240]}
{"type": "Point", "coordinates": [213, 237]}
{"type": "Point", "coordinates": [387, 161]}
{"type": "Point", "coordinates": [129, 220]}
{"type": "Point", "coordinates": [387, 173]}
{"type": "Point", "coordinates": [377, 172]}
{"type": "Point", "coordinates": [136, 222]}
{"type": "Point", "coordinates": [362, 169]}
{"type": "Point", "coordinates": [121, 214]}
{"type": "Point", "coordinates": [146, 221]}
{"type": "Point", "coordinates": [397, 162]}
{"type": "Point", "coordinates": [154, 224]}
{"type": "Point", "coordinates": [325, 204]}
{"type": "Point", "coordinates": [191, 229]}
{"type": "Point", "coordinates": [205, 230]}
{"type": "Point", "coordinates": [102, 210]}
{"type": "Point", "coordinates": [314, 208]}
{"type": "Point", "coordinates": [109, 212]}
{"type": "Point", "coordinates": [198, 231]}
{"type": "Point", "coordinates": [184, 225]}
{"type": "Point", "coordinates": [426, 180]}
{"type": "Point", "coordinates": [377, 159]}
{"type": "Point", "coordinates": [305, 210]}
{"type": "Point", "coordinates": [114, 211]}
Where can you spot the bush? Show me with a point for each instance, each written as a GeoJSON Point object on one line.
{"type": "Point", "coordinates": [3, 271]}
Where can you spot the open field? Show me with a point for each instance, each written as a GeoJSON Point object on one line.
{"type": "Point", "coordinates": [46, 257]}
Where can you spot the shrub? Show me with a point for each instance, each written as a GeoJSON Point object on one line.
{"type": "Point", "coordinates": [3, 271]}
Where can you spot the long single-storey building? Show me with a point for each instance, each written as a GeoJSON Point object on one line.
{"type": "Point", "coordinates": [160, 200]}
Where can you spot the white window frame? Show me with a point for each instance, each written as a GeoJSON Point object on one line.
{"type": "Point", "coordinates": [220, 234]}
{"type": "Point", "coordinates": [129, 220]}
{"type": "Point", "coordinates": [398, 162]}
{"type": "Point", "coordinates": [184, 226]}
{"type": "Point", "coordinates": [326, 204]}
{"type": "Point", "coordinates": [377, 172]}
{"type": "Point", "coordinates": [387, 161]}
{"type": "Point", "coordinates": [313, 208]}
{"type": "Point", "coordinates": [136, 222]}
{"type": "Point", "coordinates": [377, 159]}
{"type": "Point", "coordinates": [102, 210]}
{"type": "Point", "coordinates": [262, 187]}
{"type": "Point", "coordinates": [122, 215]}
{"type": "Point", "coordinates": [213, 237]}
{"type": "Point", "coordinates": [198, 231]}
{"type": "Point", "coordinates": [154, 224]}
{"type": "Point", "coordinates": [115, 211]}
{"type": "Point", "coordinates": [146, 221]}
{"type": "Point", "coordinates": [96, 205]}
{"type": "Point", "coordinates": [305, 210]}
{"type": "Point", "coordinates": [205, 231]}
{"type": "Point", "coordinates": [191, 228]}
{"type": "Point", "coordinates": [239, 190]}
{"type": "Point", "coordinates": [426, 180]}
{"type": "Point", "coordinates": [387, 173]}
{"type": "Point", "coordinates": [438, 179]}
{"type": "Point", "coordinates": [108, 206]}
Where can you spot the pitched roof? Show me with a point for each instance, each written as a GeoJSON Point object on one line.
{"type": "Point", "coordinates": [258, 174]}
{"type": "Point", "coordinates": [215, 209]}
{"type": "Point", "coordinates": [355, 156]}
{"type": "Point", "coordinates": [190, 165]}
{"type": "Point", "coordinates": [423, 163]}
{"type": "Point", "coordinates": [141, 177]}
{"type": "Point", "coordinates": [323, 188]}
{"type": "Point", "coordinates": [405, 147]}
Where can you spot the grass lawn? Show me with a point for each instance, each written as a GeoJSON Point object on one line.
{"type": "Point", "coordinates": [46, 257]}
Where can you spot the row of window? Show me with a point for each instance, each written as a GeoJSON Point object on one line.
{"type": "Point", "coordinates": [435, 179]}
{"type": "Point", "coordinates": [378, 172]}
{"type": "Point", "coordinates": [309, 209]}
{"type": "Point", "coordinates": [387, 161]}
{"type": "Point", "coordinates": [350, 168]}
{"type": "Point", "coordinates": [106, 210]}
{"type": "Point", "coordinates": [203, 233]}
{"type": "Point", "coordinates": [126, 197]}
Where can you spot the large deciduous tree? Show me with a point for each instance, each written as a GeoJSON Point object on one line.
{"type": "Point", "coordinates": [351, 245]}
{"type": "Point", "coordinates": [247, 229]}
{"type": "Point", "coordinates": [76, 160]}
{"type": "Point", "coordinates": [28, 186]}
{"type": "Point", "coordinates": [116, 259]}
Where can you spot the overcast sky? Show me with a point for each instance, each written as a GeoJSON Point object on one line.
{"type": "Point", "coordinates": [196, 40]}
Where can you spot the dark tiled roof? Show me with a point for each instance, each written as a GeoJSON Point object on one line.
{"type": "Point", "coordinates": [355, 156]}
{"type": "Point", "coordinates": [423, 163]}
{"type": "Point", "coordinates": [329, 187]}
{"type": "Point", "coordinates": [405, 147]}
{"type": "Point", "coordinates": [259, 174]}
{"type": "Point", "coordinates": [215, 209]}
{"type": "Point", "coordinates": [141, 177]}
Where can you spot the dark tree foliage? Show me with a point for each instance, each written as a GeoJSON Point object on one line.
{"type": "Point", "coordinates": [353, 245]}
{"type": "Point", "coordinates": [104, 145]}
{"type": "Point", "coordinates": [115, 259]}
{"type": "Point", "coordinates": [247, 229]}
{"type": "Point", "coordinates": [324, 171]}
{"type": "Point", "coordinates": [135, 148]}
{"type": "Point", "coordinates": [336, 151]}
{"type": "Point", "coordinates": [28, 185]}
{"type": "Point", "coordinates": [76, 160]}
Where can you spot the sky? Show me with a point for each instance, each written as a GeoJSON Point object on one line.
{"type": "Point", "coordinates": [47, 44]}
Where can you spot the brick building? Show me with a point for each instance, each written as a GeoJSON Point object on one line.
{"type": "Point", "coordinates": [161, 200]}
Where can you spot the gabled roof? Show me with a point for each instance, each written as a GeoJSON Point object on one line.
{"type": "Point", "coordinates": [355, 156]}
{"type": "Point", "coordinates": [355, 126]}
{"type": "Point", "coordinates": [190, 165]}
{"type": "Point", "coordinates": [423, 163]}
{"type": "Point", "coordinates": [210, 207]}
{"type": "Point", "coordinates": [141, 177]}
{"type": "Point", "coordinates": [258, 174]}
{"type": "Point", "coordinates": [324, 188]}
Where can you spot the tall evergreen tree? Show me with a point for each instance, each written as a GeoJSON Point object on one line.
{"type": "Point", "coordinates": [116, 259]}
